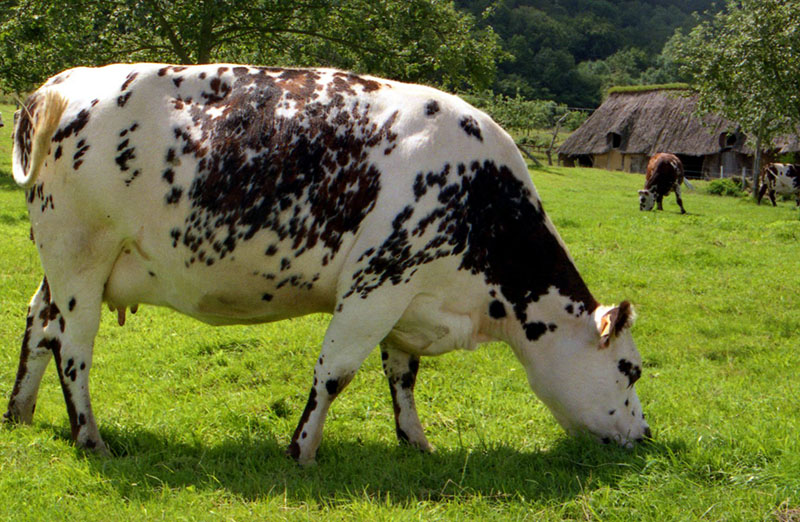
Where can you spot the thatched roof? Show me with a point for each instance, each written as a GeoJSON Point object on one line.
{"type": "Point", "coordinates": [650, 121]}
{"type": "Point", "coordinates": [787, 144]}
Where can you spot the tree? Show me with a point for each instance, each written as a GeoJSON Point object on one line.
{"type": "Point", "coordinates": [666, 68]}
{"type": "Point", "coordinates": [571, 50]}
{"type": "Point", "coordinates": [744, 65]}
{"type": "Point", "coordinates": [395, 38]}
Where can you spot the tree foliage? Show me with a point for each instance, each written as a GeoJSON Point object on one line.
{"type": "Point", "coordinates": [395, 38]}
{"type": "Point", "coordinates": [572, 50]}
{"type": "Point", "coordinates": [744, 66]}
{"type": "Point", "coordinates": [520, 114]}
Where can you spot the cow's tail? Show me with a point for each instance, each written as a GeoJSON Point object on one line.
{"type": "Point", "coordinates": [688, 185]}
{"type": "Point", "coordinates": [32, 135]}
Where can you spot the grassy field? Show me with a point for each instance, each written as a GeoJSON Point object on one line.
{"type": "Point", "coordinates": [198, 417]}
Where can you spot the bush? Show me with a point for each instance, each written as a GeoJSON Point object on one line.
{"type": "Point", "coordinates": [725, 187]}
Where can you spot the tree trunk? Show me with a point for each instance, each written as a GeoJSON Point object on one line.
{"type": "Point", "coordinates": [756, 168]}
{"type": "Point", "coordinates": [553, 141]}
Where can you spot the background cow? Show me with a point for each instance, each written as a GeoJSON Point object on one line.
{"type": "Point", "coordinates": [664, 174]}
{"type": "Point", "coordinates": [238, 194]}
{"type": "Point", "coordinates": [781, 178]}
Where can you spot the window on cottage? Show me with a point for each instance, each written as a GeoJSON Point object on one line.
{"type": "Point", "coordinates": [614, 140]}
{"type": "Point", "coordinates": [727, 140]}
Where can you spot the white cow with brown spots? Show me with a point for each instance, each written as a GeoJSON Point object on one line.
{"type": "Point", "coordinates": [780, 178]}
{"type": "Point", "coordinates": [240, 194]}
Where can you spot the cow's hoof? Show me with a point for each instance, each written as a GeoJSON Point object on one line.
{"type": "Point", "coordinates": [19, 413]}
{"type": "Point", "coordinates": [305, 461]}
{"type": "Point", "coordinates": [15, 417]}
{"type": "Point", "coordinates": [95, 447]}
{"type": "Point", "coordinates": [422, 445]}
{"type": "Point", "coordinates": [427, 448]}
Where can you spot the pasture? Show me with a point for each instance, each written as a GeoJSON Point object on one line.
{"type": "Point", "coordinates": [198, 417]}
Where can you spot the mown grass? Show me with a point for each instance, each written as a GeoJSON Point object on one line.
{"type": "Point", "coordinates": [198, 417]}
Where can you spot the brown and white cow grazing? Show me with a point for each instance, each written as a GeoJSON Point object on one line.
{"type": "Point", "coordinates": [240, 194]}
{"type": "Point", "coordinates": [664, 174]}
{"type": "Point", "coordinates": [781, 178]}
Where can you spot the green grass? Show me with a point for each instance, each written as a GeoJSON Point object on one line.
{"type": "Point", "coordinates": [647, 88]}
{"type": "Point", "coordinates": [198, 417]}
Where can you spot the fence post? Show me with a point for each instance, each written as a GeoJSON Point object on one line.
{"type": "Point", "coordinates": [744, 176]}
{"type": "Point", "coordinates": [721, 172]}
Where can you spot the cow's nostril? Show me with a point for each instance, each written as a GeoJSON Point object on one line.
{"type": "Point", "coordinates": [647, 433]}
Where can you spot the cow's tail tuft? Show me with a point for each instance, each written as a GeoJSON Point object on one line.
{"type": "Point", "coordinates": [38, 128]}
{"type": "Point", "coordinates": [688, 185]}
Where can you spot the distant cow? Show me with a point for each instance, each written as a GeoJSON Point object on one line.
{"type": "Point", "coordinates": [664, 174]}
{"type": "Point", "coordinates": [1, 120]}
{"type": "Point", "coordinates": [240, 194]}
{"type": "Point", "coordinates": [783, 178]}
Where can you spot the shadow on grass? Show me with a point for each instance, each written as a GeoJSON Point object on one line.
{"type": "Point", "coordinates": [545, 169]}
{"type": "Point", "coordinates": [7, 182]}
{"type": "Point", "coordinates": [253, 468]}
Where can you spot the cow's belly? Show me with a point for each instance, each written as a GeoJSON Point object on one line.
{"type": "Point", "coordinates": [246, 288]}
{"type": "Point", "coordinates": [785, 185]}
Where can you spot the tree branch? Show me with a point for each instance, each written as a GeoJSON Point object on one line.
{"type": "Point", "coordinates": [179, 49]}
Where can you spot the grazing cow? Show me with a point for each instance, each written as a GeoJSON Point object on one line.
{"type": "Point", "coordinates": [238, 194]}
{"type": "Point", "coordinates": [783, 178]}
{"type": "Point", "coordinates": [664, 174]}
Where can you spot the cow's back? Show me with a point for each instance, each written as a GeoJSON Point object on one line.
{"type": "Point", "coordinates": [664, 172]}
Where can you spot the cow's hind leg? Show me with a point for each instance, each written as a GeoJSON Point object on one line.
{"type": "Point", "coordinates": [79, 298]}
{"type": "Point", "coordinates": [401, 371]}
{"type": "Point", "coordinates": [34, 357]}
{"type": "Point", "coordinates": [678, 198]}
{"type": "Point", "coordinates": [77, 264]}
{"type": "Point", "coordinates": [772, 197]}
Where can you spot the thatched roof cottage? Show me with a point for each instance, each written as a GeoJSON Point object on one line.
{"type": "Point", "coordinates": [635, 123]}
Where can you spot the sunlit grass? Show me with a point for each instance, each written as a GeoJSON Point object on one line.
{"type": "Point", "coordinates": [199, 417]}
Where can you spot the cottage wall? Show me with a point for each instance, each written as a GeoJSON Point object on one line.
{"type": "Point", "coordinates": [731, 162]}
{"type": "Point", "coordinates": [612, 160]}
{"type": "Point", "coordinates": [635, 163]}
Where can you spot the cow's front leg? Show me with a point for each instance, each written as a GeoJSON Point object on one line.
{"type": "Point", "coordinates": [401, 371]}
{"type": "Point", "coordinates": [659, 201]}
{"type": "Point", "coordinates": [33, 359]}
{"type": "Point", "coordinates": [308, 434]}
{"type": "Point", "coordinates": [761, 191]}
{"type": "Point", "coordinates": [355, 329]}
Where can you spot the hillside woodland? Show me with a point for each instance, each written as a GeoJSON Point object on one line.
{"type": "Point", "coordinates": [566, 51]}
{"type": "Point", "coordinates": [571, 51]}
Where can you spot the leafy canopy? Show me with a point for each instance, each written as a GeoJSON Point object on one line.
{"type": "Point", "coordinates": [745, 67]}
{"type": "Point", "coordinates": [411, 40]}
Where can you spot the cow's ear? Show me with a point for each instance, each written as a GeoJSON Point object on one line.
{"type": "Point", "coordinates": [642, 192]}
{"type": "Point", "coordinates": [614, 321]}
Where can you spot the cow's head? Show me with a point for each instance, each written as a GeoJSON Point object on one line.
{"type": "Point", "coordinates": [585, 371]}
{"type": "Point", "coordinates": [646, 199]}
